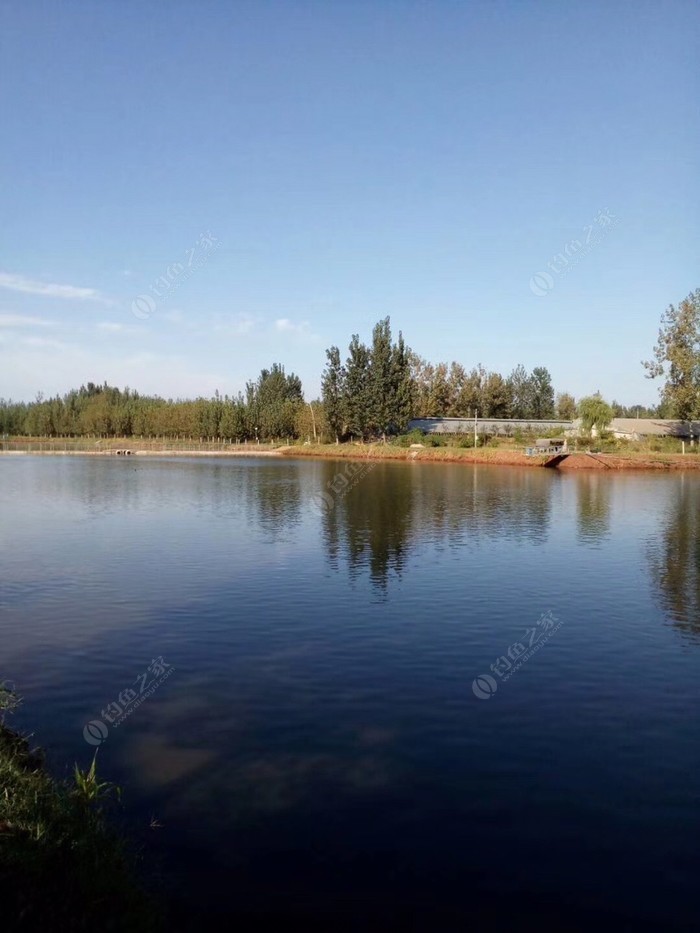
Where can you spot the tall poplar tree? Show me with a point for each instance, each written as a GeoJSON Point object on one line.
{"type": "Point", "coordinates": [403, 402]}
{"type": "Point", "coordinates": [521, 390]}
{"type": "Point", "coordinates": [380, 385]}
{"type": "Point", "coordinates": [542, 393]}
{"type": "Point", "coordinates": [333, 391]}
{"type": "Point", "coordinates": [357, 393]}
{"type": "Point", "coordinates": [677, 358]}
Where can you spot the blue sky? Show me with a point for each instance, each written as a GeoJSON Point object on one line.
{"type": "Point", "coordinates": [191, 191]}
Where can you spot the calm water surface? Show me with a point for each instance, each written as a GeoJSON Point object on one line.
{"type": "Point", "coordinates": [319, 754]}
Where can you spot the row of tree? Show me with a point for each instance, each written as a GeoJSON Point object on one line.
{"type": "Point", "coordinates": [380, 387]}
{"type": "Point", "coordinates": [272, 407]}
{"type": "Point", "coordinates": [451, 391]}
{"type": "Point", "coordinates": [372, 393]}
{"type": "Point", "coordinates": [375, 391]}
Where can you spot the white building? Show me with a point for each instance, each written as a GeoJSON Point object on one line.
{"type": "Point", "coordinates": [635, 429]}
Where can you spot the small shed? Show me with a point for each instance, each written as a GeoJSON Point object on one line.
{"type": "Point", "coordinates": [547, 445]}
{"type": "Point", "coordinates": [550, 442]}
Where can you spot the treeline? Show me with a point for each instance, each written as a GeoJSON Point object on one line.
{"type": "Point", "coordinates": [375, 391]}
{"type": "Point", "coordinates": [454, 392]}
{"type": "Point", "coordinates": [372, 393]}
{"type": "Point", "coordinates": [380, 387]}
{"type": "Point", "coordinates": [272, 407]}
{"type": "Point", "coordinates": [448, 390]}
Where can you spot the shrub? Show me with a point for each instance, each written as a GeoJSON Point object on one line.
{"type": "Point", "coordinates": [415, 436]}
{"type": "Point", "coordinates": [62, 867]}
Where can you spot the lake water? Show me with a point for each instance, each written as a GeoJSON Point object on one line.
{"type": "Point", "coordinates": [337, 743]}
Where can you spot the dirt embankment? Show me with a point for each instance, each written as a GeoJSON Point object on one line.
{"type": "Point", "coordinates": [585, 461]}
{"type": "Point", "coordinates": [499, 457]}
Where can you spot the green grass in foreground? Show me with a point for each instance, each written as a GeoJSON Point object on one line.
{"type": "Point", "coordinates": [61, 867]}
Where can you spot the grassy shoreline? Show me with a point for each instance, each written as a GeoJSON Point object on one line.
{"type": "Point", "coordinates": [632, 457]}
{"type": "Point", "coordinates": [62, 867]}
{"type": "Point", "coordinates": [499, 456]}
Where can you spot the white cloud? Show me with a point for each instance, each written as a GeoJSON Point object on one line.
{"type": "Point", "coordinates": [110, 326]}
{"type": "Point", "coordinates": [24, 320]}
{"type": "Point", "coordinates": [239, 326]}
{"type": "Point", "coordinates": [284, 325]}
{"type": "Point", "coordinates": [44, 342]}
{"type": "Point", "coordinates": [117, 327]}
{"type": "Point", "coordinates": [18, 283]}
{"type": "Point", "coordinates": [174, 316]}
{"type": "Point", "coordinates": [32, 364]}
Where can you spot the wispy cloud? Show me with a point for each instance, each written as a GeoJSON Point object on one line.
{"type": "Point", "coordinates": [173, 316]}
{"type": "Point", "coordinates": [24, 320]}
{"type": "Point", "coordinates": [284, 325]}
{"type": "Point", "coordinates": [34, 363]}
{"type": "Point", "coordinates": [238, 326]}
{"type": "Point", "coordinates": [116, 327]}
{"type": "Point", "coordinates": [17, 283]}
{"type": "Point", "coordinates": [45, 342]}
{"type": "Point", "coordinates": [111, 327]}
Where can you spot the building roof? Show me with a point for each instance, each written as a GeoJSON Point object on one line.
{"type": "Point", "coordinates": [655, 427]}
{"type": "Point", "coordinates": [486, 425]}
{"type": "Point", "coordinates": [641, 427]}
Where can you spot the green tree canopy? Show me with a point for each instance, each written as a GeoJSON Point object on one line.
{"type": "Point", "coordinates": [374, 392]}
{"type": "Point", "coordinates": [521, 390]}
{"type": "Point", "coordinates": [566, 406]}
{"type": "Point", "coordinates": [333, 392]}
{"type": "Point", "coordinates": [677, 359]}
{"type": "Point", "coordinates": [594, 412]}
{"type": "Point", "coordinates": [542, 393]}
